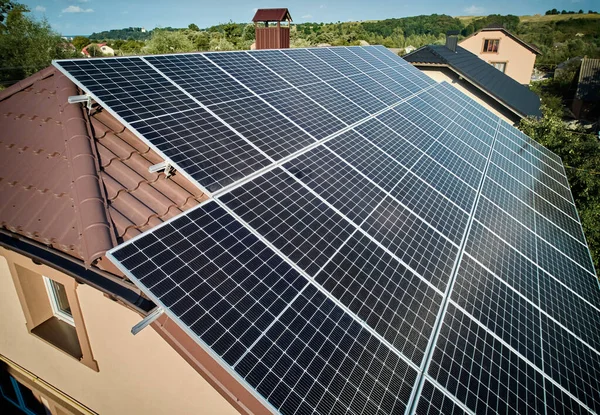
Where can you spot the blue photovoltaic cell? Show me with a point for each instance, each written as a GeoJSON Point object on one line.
{"type": "Point", "coordinates": [291, 218]}
{"type": "Point", "coordinates": [395, 302]}
{"type": "Point", "coordinates": [357, 94]}
{"type": "Point", "coordinates": [334, 102]}
{"type": "Point", "coordinates": [337, 182]}
{"type": "Point", "coordinates": [363, 155]}
{"type": "Point", "coordinates": [316, 66]}
{"type": "Point", "coordinates": [285, 67]}
{"type": "Point", "coordinates": [129, 87]}
{"type": "Point", "coordinates": [199, 77]}
{"type": "Point", "coordinates": [249, 71]}
{"type": "Point", "coordinates": [214, 275]}
{"type": "Point", "coordinates": [413, 241]}
{"type": "Point", "coordinates": [208, 151]}
{"type": "Point", "coordinates": [334, 60]}
{"type": "Point", "coordinates": [269, 130]}
{"type": "Point", "coordinates": [305, 112]}
{"type": "Point", "coordinates": [434, 401]}
{"type": "Point", "coordinates": [330, 281]}
{"type": "Point", "coordinates": [316, 359]}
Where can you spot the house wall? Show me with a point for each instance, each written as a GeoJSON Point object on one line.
{"type": "Point", "coordinates": [440, 74]}
{"type": "Point", "coordinates": [519, 60]}
{"type": "Point", "coordinates": [138, 374]}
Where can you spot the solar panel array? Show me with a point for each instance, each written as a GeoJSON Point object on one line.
{"type": "Point", "coordinates": [377, 242]}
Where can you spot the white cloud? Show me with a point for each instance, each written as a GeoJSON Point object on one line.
{"type": "Point", "coordinates": [40, 9]}
{"type": "Point", "coordinates": [477, 10]}
{"type": "Point", "coordinates": [307, 16]}
{"type": "Point", "coordinates": [77, 9]}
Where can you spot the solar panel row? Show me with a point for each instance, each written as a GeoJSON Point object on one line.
{"type": "Point", "coordinates": [341, 278]}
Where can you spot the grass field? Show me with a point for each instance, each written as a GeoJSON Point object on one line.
{"type": "Point", "coordinates": [537, 17]}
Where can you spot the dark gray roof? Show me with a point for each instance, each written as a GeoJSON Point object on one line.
{"type": "Point", "coordinates": [480, 73]}
{"type": "Point", "coordinates": [588, 87]}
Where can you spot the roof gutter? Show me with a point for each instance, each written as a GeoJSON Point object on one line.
{"type": "Point", "coordinates": [116, 288]}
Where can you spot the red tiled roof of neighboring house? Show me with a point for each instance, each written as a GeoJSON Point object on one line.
{"type": "Point", "coordinates": [77, 182]}
{"type": "Point", "coordinates": [271, 15]}
{"type": "Point", "coordinates": [85, 51]}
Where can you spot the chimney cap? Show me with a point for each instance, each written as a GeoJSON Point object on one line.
{"type": "Point", "coordinates": [452, 32]}
{"type": "Point", "coordinates": [272, 15]}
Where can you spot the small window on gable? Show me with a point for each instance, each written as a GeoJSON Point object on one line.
{"type": "Point", "coordinates": [491, 45]}
{"type": "Point", "coordinates": [501, 66]}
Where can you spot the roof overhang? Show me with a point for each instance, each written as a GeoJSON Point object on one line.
{"type": "Point", "coordinates": [475, 84]}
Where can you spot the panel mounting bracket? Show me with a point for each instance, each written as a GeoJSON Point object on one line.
{"type": "Point", "coordinates": [156, 313]}
{"type": "Point", "coordinates": [165, 165]}
{"type": "Point", "coordinates": [75, 99]}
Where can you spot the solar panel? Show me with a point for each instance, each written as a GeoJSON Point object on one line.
{"type": "Point", "coordinates": [377, 243]}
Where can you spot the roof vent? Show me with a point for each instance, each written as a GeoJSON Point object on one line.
{"type": "Point", "coordinates": [452, 39]}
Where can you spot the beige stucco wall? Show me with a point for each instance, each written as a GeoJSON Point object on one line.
{"type": "Point", "coordinates": [519, 60]}
{"type": "Point", "coordinates": [138, 374]}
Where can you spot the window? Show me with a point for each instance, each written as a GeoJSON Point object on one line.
{"type": "Point", "coordinates": [501, 66]}
{"type": "Point", "coordinates": [51, 307]}
{"type": "Point", "coordinates": [21, 396]}
{"type": "Point", "coordinates": [491, 45]}
{"type": "Point", "coordinates": [59, 301]}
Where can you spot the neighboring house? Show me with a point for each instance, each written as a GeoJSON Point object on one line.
{"type": "Point", "coordinates": [586, 104]}
{"type": "Point", "coordinates": [503, 50]}
{"type": "Point", "coordinates": [106, 50]}
{"type": "Point", "coordinates": [74, 185]}
{"type": "Point", "coordinates": [465, 71]}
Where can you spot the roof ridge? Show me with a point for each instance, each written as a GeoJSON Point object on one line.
{"type": "Point", "coordinates": [97, 234]}
{"type": "Point", "coordinates": [27, 82]}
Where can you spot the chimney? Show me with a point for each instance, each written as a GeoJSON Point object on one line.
{"type": "Point", "coordinates": [452, 39]}
{"type": "Point", "coordinates": [272, 37]}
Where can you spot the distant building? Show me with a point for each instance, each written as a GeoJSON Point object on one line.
{"type": "Point", "coordinates": [466, 72]}
{"type": "Point", "coordinates": [504, 51]}
{"type": "Point", "coordinates": [586, 104]}
{"type": "Point", "coordinates": [106, 50]}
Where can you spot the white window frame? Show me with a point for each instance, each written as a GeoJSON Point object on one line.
{"type": "Point", "coordinates": [58, 313]}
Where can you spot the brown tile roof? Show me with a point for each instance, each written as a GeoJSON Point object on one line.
{"type": "Point", "coordinates": [272, 15]}
{"type": "Point", "coordinates": [75, 182]}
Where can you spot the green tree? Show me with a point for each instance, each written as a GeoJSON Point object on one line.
{"type": "Point", "coordinates": [580, 153]}
{"type": "Point", "coordinates": [26, 45]}
{"type": "Point", "coordinates": [165, 41]}
{"type": "Point", "coordinates": [194, 27]}
{"type": "Point", "coordinates": [80, 42]}
{"type": "Point", "coordinates": [94, 51]}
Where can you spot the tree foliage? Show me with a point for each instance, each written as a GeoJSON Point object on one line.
{"type": "Point", "coordinates": [26, 45]}
{"type": "Point", "coordinates": [80, 42]}
{"type": "Point", "coordinates": [580, 153]}
{"type": "Point", "coordinates": [165, 41]}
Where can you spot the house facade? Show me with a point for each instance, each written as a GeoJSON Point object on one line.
{"type": "Point", "coordinates": [504, 51]}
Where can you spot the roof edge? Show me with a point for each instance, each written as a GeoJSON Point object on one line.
{"type": "Point", "coordinates": [26, 83]}
{"type": "Point", "coordinates": [509, 34]}
{"type": "Point", "coordinates": [97, 234]}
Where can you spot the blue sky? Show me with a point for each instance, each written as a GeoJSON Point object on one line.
{"type": "Point", "coordinates": [87, 16]}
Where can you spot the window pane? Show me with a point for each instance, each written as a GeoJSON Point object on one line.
{"type": "Point", "coordinates": [6, 386]}
{"type": "Point", "coordinates": [60, 295]}
{"type": "Point", "coordinates": [31, 402]}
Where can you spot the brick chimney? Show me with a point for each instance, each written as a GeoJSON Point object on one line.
{"type": "Point", "coordinates": [272, 37]}
{"type": "Point", "coordinates": [452, 39]}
